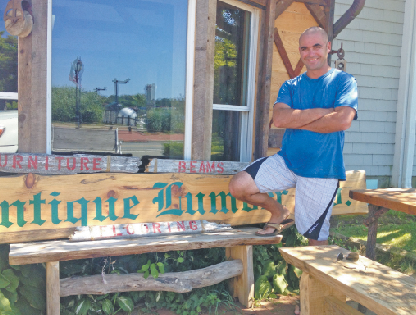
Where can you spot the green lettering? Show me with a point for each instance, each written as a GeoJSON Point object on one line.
{"type": "Point", "coordinates": [98, 210]}
{"type": "Point", "coordinates": [20, 211]}
{"type": "Point", "coordinates": [54, 208]}
{"type": "Point", "coordinates": [5, 214]}
{"type": "Point", "coordinates": [84, 212]}
{"type": "Point", "coordinates": [233, 203]}
{"type": "Point", "coordinates": [127, 207]}
{"type": "Point", "coordinates": [247, 208]}
{"type": "Point", "coordinates": [339, 197]}
{"type": "Point", "coordinates": [37, 209]}
{"type": "Point", "coordinates": [111, 211]}
{"type": "Point", "coordinates": [214, 204]}
{"type": "Point", "coordinates": [200, 209]}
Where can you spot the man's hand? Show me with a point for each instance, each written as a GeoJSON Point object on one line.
{"type": "Point", "coordinates": [286, 117]}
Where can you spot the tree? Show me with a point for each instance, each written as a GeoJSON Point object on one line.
{"type": "Point", "coordinates": [8, 63]}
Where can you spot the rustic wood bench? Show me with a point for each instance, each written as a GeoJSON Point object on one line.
{"type": "Point", "coordinates": [105, 199]}
{"type": "Point", "coordinates": [325, 283]}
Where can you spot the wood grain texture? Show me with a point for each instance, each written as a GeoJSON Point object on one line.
{"type": "Point", "coordinates": [195, 167]}
{"type": "Point", "coordinates": [398, 199]}
{"type": "Point", "coordinates": [179, 282]}
{"type": "Point", "coordinates": [242, 286]}
{"type": "Point", "coordinates": [334, 306]}
{"type": "Point", "coordinates": [63, 250]}
{"type": "Point", "coordinates": [377, 287]}
{"type": "Point", "coordinates": [52, 288]}
{"type": "Point", "coordinates": [203, 79]}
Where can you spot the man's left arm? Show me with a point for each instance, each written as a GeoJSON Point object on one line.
{"type": "Point", "coordinates": [340, 119]}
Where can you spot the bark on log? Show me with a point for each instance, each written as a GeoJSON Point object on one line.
{"type": "Point", "coordinates": [179, 282]}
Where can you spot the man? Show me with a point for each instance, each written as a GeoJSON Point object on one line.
{"type": "Point", "coordinates": [315, 108]}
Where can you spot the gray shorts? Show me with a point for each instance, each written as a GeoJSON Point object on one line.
{"type": "Point", "coordinates": [314, 196]}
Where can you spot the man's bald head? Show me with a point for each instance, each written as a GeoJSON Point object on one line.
{"type": "Point", "coordinates": [315, 30]}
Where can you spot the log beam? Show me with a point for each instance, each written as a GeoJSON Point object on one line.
{"type": "Point", "coordinates": [281, 6]}
{"type": "Point", "coordinates": [52, 288]}
{"type": "Point", "coordinates": [318, 14]}
{"type": "Point", "coordinates": [179, 282]}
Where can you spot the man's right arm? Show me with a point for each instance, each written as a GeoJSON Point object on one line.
{"type": "Point", "coordinates": [286, 117]}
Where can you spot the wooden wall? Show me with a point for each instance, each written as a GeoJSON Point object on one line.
{"type": "Point", "coordinates": [290, 24]}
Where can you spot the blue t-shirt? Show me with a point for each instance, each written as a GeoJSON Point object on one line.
{"type": "Point", "coordinates": [313, 154]}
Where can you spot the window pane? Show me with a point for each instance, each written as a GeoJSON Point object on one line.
{"type": "Point", "coordinates": [226, 130]}
{"type": "Point", "coordinates": [231, 53]}
{"type": "Point", "coordinates": [126, 63]}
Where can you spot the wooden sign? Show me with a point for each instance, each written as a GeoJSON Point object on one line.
{"type": "Point", "coordinates": [36, 207]}
{"type": "Point", "coordinates": [55, 164]}
{"type": "Point", "coordinates": [194, 167]}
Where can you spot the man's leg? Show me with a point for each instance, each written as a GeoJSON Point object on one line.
{"type": "Point", "coordinates": [243, 187]}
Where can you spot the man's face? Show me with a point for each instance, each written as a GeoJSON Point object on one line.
{"type": "Point", "coordinates": [314, 50]}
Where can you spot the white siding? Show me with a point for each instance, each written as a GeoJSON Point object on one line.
{"type": "Point", "coordinates": [372, 44]}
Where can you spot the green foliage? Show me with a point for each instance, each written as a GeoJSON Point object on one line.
{"type": "Point", "coordinates": [165, 120]}
{"type": "Point", "coordinates": [150, 264]}
{"type": "Point", "coordinates": [8, 63]}
{"type": "Point", "coordinates": [271, 272]}
{"type": "Point", "coordinates": [173, 149]}
{"type": "Point", "coordinates": [64, 105]}
{"type": "Point", "coordinates": [22, 288]}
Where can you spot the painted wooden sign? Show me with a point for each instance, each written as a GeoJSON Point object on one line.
{"type": "Point", "coordinates": [38, 207]}
{"type": "Point", "coordinates": [194, 167]}
{"type": "Point", "coordinates": [56, 164]}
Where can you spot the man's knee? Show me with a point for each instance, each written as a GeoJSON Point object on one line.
{"type": "Point", "coordinates": [238, 185]}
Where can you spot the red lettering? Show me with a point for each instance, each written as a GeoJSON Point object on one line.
{"type": "Point", "coordinates": [210, 167]}
{"type": "Point", "coordinates": [5, 161]}
{"type": "Point", "coordinates": [33, 163]}
{"type": "Point", "coordinates": [181, 225]}
{"type": "Point", "coordinates": [47, 163]}
{"type": "Point", "coordinates": [221, 169]}
{"type": "Point", "coordinates": [192, 225]}
{"type": "Point", "coordinates": [84, 162]}
{"type": "Point", "coordinates": [16, 161]}
{"type": "Point", "coordinates": [115, 233]}
{"type": "Point", "coordinates": [128, 228]}
{"type": "Point", "coordinates": [74, 163]}
{"type": "Point", "coordinates": [156, 227]}
{"type": "Point", "coordinates": [169, 227]}
{"type": "Point", "coordinates": [95, 163]}
{"type": "Point", "coordinates": [181, 167]}
{"type": "Point", "coordinates": [102, 227]}
{"type": "Point", "coordinates": [192, 167]}
{"type": "Point", "coordinates": [59, 158]}
{"type": "Point", "coordinates": [202, 167]}
{"type": "Point", "coordinates": [147, 228]}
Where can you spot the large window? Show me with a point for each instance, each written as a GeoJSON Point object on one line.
{"type": "Point", "coordinates": [126, 62]}
{"type": "Point", "coordinates": [234, 67]}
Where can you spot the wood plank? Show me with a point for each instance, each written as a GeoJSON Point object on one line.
{"type": "Point", "coordinates": [58, 164]}
{"type": "Point", "coordinates": [52, 288]}
{"type": "Point", "coordinates": [63, 250]}
{"type": "Point", "coordinates": [179, 282]}
{"type": "Point", "coordinates": [399, 199]}
{"type": "Point", "coordinates": [377, 287]}
{"type": "Point", "coordinates": [203, 79]}
{"type": "Point", "coordinates": [39, 202]}
{"type": "Point", "coordinates": [243, 285]}
{"type": "Point", "coordinates": [194, 167]}
{"type": "Point", "coordinates": [313, 294]}
{"type": "Point", "coordinates": [276, 138]}
{"type": "Point", "coordinates": [264, 80]}
{"type": "Point", "coordinates": [334, 306]}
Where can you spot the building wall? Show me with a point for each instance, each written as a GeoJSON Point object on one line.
{"type": "Point", "coordinates": [372, 44]}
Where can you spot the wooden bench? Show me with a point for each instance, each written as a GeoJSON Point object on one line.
{"type": "Point", "coordinates": [325, 283]}
{"type": "Point", "coordinates": [175, 195]}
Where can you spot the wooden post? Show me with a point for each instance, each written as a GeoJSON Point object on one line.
{"type": "Point", "coordinates": [313, 294]}
{"type": "Point", "coordinates": [32, 83]}
{"type": "Point", "coordinates": [204, 79]}
{"type": "Point", "coordinates": [372, 221]}
{"type": "Point", "coordinates": [243, 285]}
{"type": "Point", "coordinates": [329, 13]}
{"type": "Point", "coordinates": [53, 288]}
{"type": "Point", "coordinates": [264, 80]}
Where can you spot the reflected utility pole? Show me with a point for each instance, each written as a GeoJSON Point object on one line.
{"type": "Point", "coordinates": [116, 82]}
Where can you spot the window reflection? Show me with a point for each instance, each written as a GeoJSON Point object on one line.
{"type": "Point", "coordinates": [132, 79]}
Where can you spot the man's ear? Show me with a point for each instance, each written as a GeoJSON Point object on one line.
{"type": "Point", "coordinates": [329, 46]}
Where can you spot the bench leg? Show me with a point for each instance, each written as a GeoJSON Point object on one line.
{"type": "Point", "coordinates": [243, 285]}
{"type": "Point", "coordinates": [313, 294]}
{"type": "Point", "coordinates": [53, 288]}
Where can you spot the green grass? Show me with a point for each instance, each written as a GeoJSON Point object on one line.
{"type": "Point", "coordinates": [394, 228]}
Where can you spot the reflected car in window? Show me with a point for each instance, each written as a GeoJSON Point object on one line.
{"type": "Point", "coordinates": [8, 131]}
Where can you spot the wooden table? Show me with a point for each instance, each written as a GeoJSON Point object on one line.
{"type": "Point", "coordinates": [380, 201]}
{"type": "Point", "coordinates": [326, 282]}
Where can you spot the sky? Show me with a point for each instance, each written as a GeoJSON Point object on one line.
{"type": "Point", "coordinates": [144, 41]}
